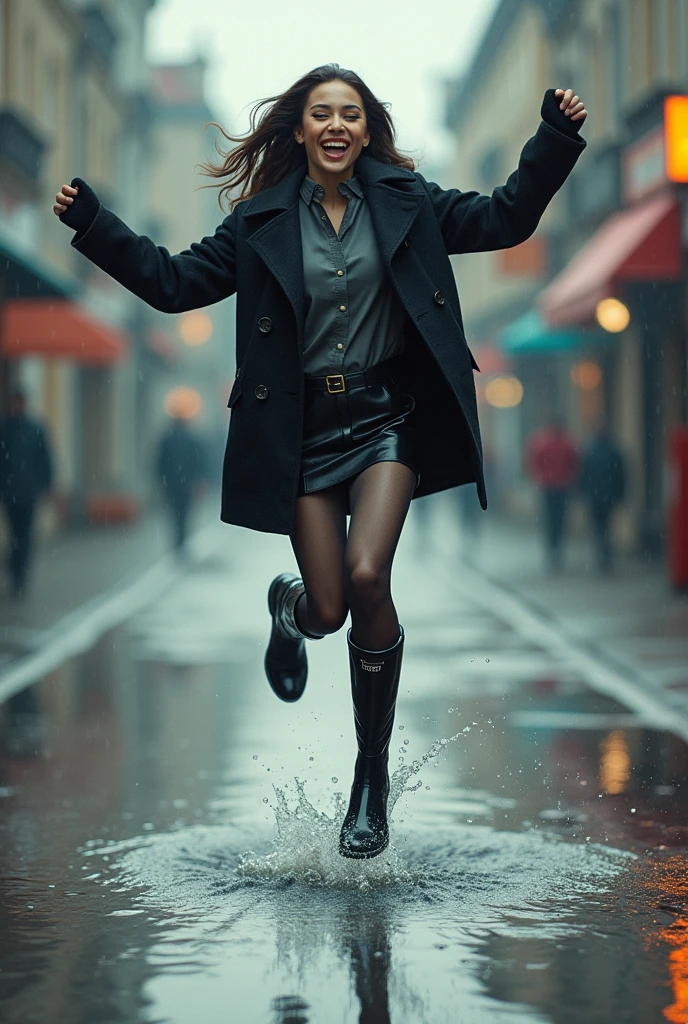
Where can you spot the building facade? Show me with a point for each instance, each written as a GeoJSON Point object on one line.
{"type": "Point", "coordinates": [73, 101]}
{"type": "Point", "coordinates": [616, 229]}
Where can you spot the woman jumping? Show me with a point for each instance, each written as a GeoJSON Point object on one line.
{"type": "Point", "coordinates": [354, 388]}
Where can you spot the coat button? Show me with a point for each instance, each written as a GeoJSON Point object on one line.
{"type": "Point", "coordinates": [261, 391]}
{"type": "Point", "coordinates": [265, 325]}
{"type": "Point", "coordinates": [439, 298]}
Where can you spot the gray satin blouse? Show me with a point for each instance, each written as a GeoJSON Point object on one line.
{"type": "Point", "coordinates": [353, 317]}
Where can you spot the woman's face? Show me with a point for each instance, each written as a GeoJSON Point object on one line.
{"type": "Point", "coordinates": [334, 128]}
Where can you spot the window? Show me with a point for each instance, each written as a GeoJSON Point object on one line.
{"type": "Point", "coordinates": [29, 68]}
{"type": "Point", "coordinates": [3, 44]}
{"type": "Point", "coordinates": [51, 95]}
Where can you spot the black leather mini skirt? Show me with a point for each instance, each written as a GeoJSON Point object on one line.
{"type": "Point", "coordinates": [353, 421]}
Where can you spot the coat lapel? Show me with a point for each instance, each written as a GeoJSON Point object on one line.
{"type": "Point", "coordinates": [394, 196]}
{"type": "Point", "coordinates": [278, 242]}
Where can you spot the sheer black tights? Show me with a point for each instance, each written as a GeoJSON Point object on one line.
{"type": "Point", "coordinates": [351, 571]}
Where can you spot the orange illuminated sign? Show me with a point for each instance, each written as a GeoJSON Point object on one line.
{"type": "Point", "coordinates": [676, 137]}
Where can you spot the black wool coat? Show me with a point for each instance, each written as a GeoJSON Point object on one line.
{"type": "Point", "coordinates": [256, 252]}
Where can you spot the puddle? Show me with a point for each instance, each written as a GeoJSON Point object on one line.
{"type": "Point", "coordinates": [169, 836]}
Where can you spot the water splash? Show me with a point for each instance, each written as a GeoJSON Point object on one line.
{"type": "Point", "coordinates": [306, 848]}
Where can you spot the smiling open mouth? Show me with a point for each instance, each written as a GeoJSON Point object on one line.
{"type": "Point", "coordinates": [335, 149]}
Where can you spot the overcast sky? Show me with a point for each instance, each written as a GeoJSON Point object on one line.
{"type": "Point", "coordinates": [258, 49]}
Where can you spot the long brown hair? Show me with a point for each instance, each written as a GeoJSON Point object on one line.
{"type": "Point", "coordinates": [269, 152]}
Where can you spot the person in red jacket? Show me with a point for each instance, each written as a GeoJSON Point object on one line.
{"type": "Point", "coordinates": [552, 462]}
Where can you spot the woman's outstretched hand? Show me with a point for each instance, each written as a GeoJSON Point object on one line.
{"type": "Point", "coordinates": [571, 105]}
{"type": "Point", "coordinates": [64, 199]}
{"type": "Point", "coordinates": [77, 205]}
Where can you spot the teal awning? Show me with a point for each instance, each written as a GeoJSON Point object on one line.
{"type": "Point", "coordinates": [530, 333]}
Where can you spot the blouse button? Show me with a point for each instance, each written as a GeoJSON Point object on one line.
{"type": "Point", "coordinates": [342, 309]}
{"type": "Point", "coordinates": [340, 346]}
{"type": "Point", "coordinates": [261, 392]}
{"type": "Point", "coordinates": [340, 273]}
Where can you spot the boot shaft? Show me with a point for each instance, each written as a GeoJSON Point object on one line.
{"type": "Point", "coordinates": [374, 687]}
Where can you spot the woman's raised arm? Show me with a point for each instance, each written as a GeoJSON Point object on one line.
{"type": "Point", "coordinates": [199, 276]}
{"type": "Point", "coordinates": [472, 222]}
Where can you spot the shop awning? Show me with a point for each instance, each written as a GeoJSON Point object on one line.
{"type": "Point", "coordinates": [639, 244]}
{"type": "Point", "coordinates": [57, 329]}
{"type": "Point", "coordinates": [530, 334]}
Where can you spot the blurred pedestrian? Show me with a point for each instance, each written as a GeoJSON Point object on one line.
{"type": "Point", "coordinates": [552, 463]}
{"type": "Point", "coordinates": [26, 473]}
{"type": "Point", "coordinates": [181, 469]}
{"type": "Point", "coordinates": [354, 389]}
{"type": "Point", "coordinates": [603, 485]}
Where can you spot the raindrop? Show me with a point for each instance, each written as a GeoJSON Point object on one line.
{"type": "Point", "coordinates": [427, 787]}
{"type": "Point", "coordinates": [401, 728]}
{"type": "Point", "coordinates": [255, 757]}
{"type": "Point", "coordinates": [487, 660]}
{"type": "Point", "coordinates": [405, 743]}
{"type": "Point", "coordinates": [632, 810]}
{"type": "Point", "coordinates": [335, 779]}
{"type": "Point", "coordinates": [401, 750]}
{"type": "Point", "coordinates": [265, 799]}
{"type": "Point", "coordinates": [310, 758]}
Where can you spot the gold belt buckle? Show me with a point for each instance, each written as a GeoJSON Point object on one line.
{"type": "Point", "coordinates": [335, 383]}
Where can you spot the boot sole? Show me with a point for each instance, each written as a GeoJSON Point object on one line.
{"type": "Point", "coordinates": [368, 855]}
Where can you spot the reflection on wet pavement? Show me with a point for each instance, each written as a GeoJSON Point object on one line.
{"type": "Point", "coordinates": [168, 838]}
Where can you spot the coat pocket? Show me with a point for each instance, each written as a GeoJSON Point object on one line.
{"type": "Point", "coordinates": [235, 393]}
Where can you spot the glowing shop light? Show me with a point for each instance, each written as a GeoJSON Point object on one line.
{"type": "Point", "coordinates": [195, 327]}
{"type": "Point", "coordinates": [183, 403]}
{"type": "Point", "coordinates": [612, 315]}
{"type": "Point", "coordinates": [504, 392]}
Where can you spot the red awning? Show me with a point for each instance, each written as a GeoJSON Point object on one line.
{"type": "Point", "coordinates": [642, 243]}
{"type": "Point", "coordinates": [57, 329]}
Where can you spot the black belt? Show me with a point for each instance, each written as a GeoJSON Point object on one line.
{"type": "Point", "coordinates": [338, 383]}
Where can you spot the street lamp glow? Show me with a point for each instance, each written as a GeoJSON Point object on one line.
{"type": "Point", "coordinates": [612, 315]}
{"type": "Point", "coordinates": [195, 327]}
{"type": "Point", "coordinates": [504, 392]}
{"type": "Point", "coordinates": [183, 403]}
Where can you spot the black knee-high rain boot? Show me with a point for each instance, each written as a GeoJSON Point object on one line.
{"type": "Point", "coordinates": [286, 664]}
{"type": "Point", "coordinates": [374, 687]}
